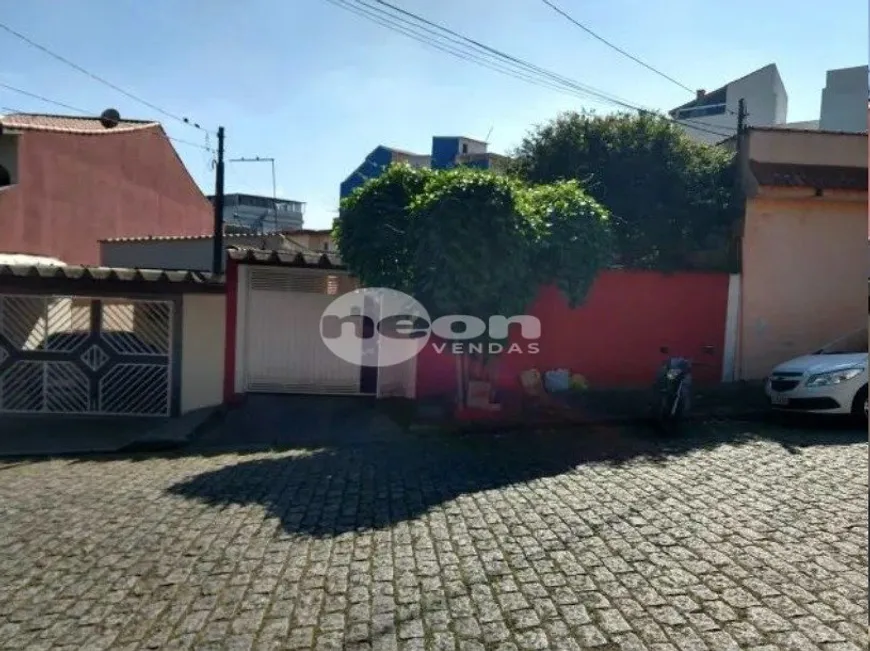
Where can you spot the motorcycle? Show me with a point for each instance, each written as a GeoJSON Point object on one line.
{"type": "Point", "coordinates": [673, 389]}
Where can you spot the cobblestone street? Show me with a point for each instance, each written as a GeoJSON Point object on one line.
{"type": "Point", "coordinates": [734, 538]}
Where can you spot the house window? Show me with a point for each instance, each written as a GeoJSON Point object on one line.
{"type": "Point", "coordinates": [464, 147]}
{"type": "Point", "coordinates": [700, 111]}
{"type": "Point", "coordinates": [5, 177]}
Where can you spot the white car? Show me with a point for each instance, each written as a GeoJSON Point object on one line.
{"type": "Point", "coordinates": [833, 380]}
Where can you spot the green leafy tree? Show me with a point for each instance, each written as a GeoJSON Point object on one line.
{"type": "Point", "coordinates": [375, 232]}
{"type": "Point", "coordinates": [474, 247]}
{"type": "Point", "coordinates": [573, 237]}
{"type": "Point", "coordinates": [471, 242]}
{"type": "Point", "coordinates": [669, 197]}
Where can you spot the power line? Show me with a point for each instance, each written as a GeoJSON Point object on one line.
{"type": "Point", "coordinates": [591, 33]}
{"type": "Point", "coordinates": [420, 35]}
{"type": "Point", "coordinates": [438, 41]}
{"type": "Point", "coordinates": [561, 80]}
{"type": "Point", "coordinates": [598, 37]}
{"type": "Point", "coordinates": [475, 49]}
{"type": "Point", "coordinates": [101, 80]}
{"type": "Point", "coordinates": [27, 93]}
{"type": "Point", "coordinates": [84, 113]}
{"type": "Point", "coordinates": [512, 60]}
{"type": "Point", "coordinates": [468, 49]}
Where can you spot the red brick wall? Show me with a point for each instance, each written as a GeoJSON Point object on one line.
{"type": "Point", "coordinates": [76, 189]}
{"type": "Point", "coordinates": [614, 338]}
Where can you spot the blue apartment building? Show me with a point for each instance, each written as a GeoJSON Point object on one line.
{"type": "Point", "coordinates": [447, 152]}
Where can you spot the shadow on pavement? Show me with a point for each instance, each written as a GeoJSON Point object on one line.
{"type": "Point", "coordinates": [796, 431]}
{"type": "Point", "coordinates": [340, 488]}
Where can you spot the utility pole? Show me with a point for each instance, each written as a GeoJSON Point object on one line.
{"type": "Point", "coordinates": [741, 116]}
{"type": "Point", "coordinates": [217, 263]}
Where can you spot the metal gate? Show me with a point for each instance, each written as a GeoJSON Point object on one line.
{"type": "Point", "coordinates": [82, 355]}
{"type": "Point", "coordinates": [284, 352]}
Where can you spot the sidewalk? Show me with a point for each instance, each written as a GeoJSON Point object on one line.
{"type": "Point", "coordinates": [732, 400]}
{"type": "Point", "coordinates": [738, 400]}
{"type": "Point", "coordinates": [51, 435]}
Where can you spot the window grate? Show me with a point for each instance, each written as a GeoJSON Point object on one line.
{"type": "Point", "coordinates": [300, 280]}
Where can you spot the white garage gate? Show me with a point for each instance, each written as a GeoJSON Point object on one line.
{"type": "Point", "coordinates": [281, 348]}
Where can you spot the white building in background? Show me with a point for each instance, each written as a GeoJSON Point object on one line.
{"type": "Point", "coordinates": [844, 100]}
{"type": "Point", "coordinates": [250, 213]}
{"type": "Point", "coordinates": [712, 116]}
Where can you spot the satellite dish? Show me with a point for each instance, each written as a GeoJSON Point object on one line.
{"type": "Point", "coordinates": [110, 118]}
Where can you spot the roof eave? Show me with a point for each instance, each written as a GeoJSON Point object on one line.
{"type": "Point", "coordinates": [325, 261]}
{"type": "Point", "coordinates": [10, 273]}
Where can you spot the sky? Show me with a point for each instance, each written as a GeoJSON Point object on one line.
{"type": "Point", "coordinates": [317, 88]}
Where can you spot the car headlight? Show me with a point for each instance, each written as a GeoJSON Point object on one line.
{"type": "Point", "coordinates": [834, 377]}
{"type": "Point", "coordinates": [673, 373]}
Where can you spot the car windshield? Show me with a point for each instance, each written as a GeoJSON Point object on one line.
{"type": "Point", "coordinates": [854, 342]}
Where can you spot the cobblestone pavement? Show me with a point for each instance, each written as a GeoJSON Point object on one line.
{"type": "Point", "coordinates": [600, 541]}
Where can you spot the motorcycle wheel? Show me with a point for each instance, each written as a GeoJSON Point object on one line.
{"type": "Point", "coordinates": [670, 413]}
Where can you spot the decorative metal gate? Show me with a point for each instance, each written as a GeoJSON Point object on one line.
{"type": "Point", "coordinates": [81, 355]}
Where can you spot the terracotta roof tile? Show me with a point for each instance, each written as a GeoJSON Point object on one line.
{"type": "Point", "coordinates": [208, 236]}
{"type": "Point", "coordinates": [174, 238]}
{"type": "Point", "coordinates": [286, 258]}
{"type": "Point", "coordinates": [824, 177]}
{"type": "Point", "coordinates": [784, 128]}
{"type": "Point", "coordinates": [69, 124]}
{"type": "Point", "coordinates": [308, 231]}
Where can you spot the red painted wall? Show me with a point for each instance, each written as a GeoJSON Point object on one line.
{"type": "Point", "coordinates": [74, 190]}
{"type": "Point", "coordinates": [614, 338]}
{"type": "Point", "coordinates": [231, 330]}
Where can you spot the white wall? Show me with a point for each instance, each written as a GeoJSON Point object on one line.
{"type": "Point", "coordinates": [203, 349]}
{"type": "Point", "coordinates": [474, 146]}
{"type": "Point", "coordinates": [195, 254]}
{"type": "Point", "coordinates": [176, 253]}
{"type": "Point", "coordinates": [766, 105]}
{"type": "Point", "coordinates": [844, 100]}
{"type": "Point", "coordinates": [732, 329]}
{"type": "Point", "coordinates": [780, 109]}
{"type": "Point", "coordinates": [243, 280]}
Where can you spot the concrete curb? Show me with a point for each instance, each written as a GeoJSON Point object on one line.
{"type": "Point", "coordinates": [472, 427]}
{"type": "Point", "coordinates": [166, 436]}
{"type": "Point", "coordinates": [176, 433]}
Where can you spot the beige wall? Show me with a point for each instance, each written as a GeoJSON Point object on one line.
{"type": "Point", "coordinates": [804, 277]}
{"type": "Point", "coordinates": [807, 148]}
{"type": "Point", "coordinates": [313, 241]}
{"type": "Point", "coordinates": [202, 353]}
{"type": "Point", "coordinates": [191, 253]}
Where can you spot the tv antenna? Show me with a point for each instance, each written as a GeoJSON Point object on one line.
{"type": "Point", "coordinates": [271, 161]}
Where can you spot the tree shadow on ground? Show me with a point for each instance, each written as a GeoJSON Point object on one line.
{"type": "Point", "coordinates": [340, 489]}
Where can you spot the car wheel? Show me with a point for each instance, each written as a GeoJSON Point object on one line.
{"type": "Point", "coordinates": [859, 404]}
